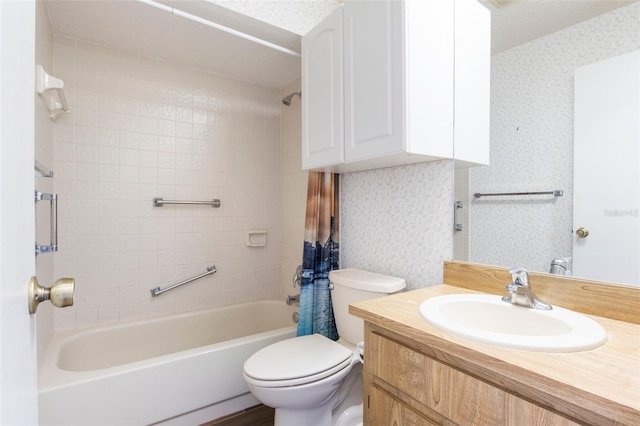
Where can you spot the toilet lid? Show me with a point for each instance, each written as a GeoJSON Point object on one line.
{"type": "Point", "coordinates": [312, 357]}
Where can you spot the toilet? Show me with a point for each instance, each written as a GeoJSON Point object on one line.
{"type": "Point", "coordinates": [312, 380]}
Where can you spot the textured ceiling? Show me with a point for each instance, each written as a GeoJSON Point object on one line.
{"type": "Point", "coordinates": [138, 27]}
{"type": "Point", "coordinates": [146, 30]}
{"type": "Point", "coordinates": [297, 16]}
{"type": "Point", "coordinates": [521, 21]}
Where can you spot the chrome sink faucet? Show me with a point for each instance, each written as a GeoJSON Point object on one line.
{"type": "Point", "coordinates": [520, 292]}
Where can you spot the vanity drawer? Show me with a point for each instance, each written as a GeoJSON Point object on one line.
{"type": "Point", "coordinates": [390, 411]}
{"type": "Point", "coordinates": [434, 386]}
{"type": "Point", "coordinates": [408, 385]}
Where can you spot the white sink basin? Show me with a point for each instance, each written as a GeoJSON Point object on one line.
{"type": "Point", "coordinates": [487, 319]}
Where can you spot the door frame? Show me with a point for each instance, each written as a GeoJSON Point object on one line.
{"type": "Point", "coordinates": [18, 355]}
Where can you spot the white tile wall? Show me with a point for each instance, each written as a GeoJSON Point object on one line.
{"type": "Point", "coordinates": [142, 128]}
{"type": "Point", "coordinates": [293, 189]}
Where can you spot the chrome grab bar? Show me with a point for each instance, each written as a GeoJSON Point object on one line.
{"type": "Point", "coordinates": [53, 199]}
{"type": "Point", "coordinates": [159, 202]}
{"type": "Point", "coordinates": [157, 290]}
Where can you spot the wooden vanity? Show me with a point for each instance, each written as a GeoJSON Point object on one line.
{"type": "Point", "coordinates": [416, 374]}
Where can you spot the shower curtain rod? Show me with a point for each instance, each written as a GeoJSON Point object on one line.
{"type": "Point", "coordinates": [220, 27]}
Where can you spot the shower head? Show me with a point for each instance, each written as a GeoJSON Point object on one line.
{"type": "Point", "coordinates": [287, 99]}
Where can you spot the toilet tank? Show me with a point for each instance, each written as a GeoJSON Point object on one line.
{"type": "Point", "coordinates": [354, 285]}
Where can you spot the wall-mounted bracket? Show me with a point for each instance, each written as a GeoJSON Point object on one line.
{"type": "Point", "coordinates": [457, 226]}
{"type": "Point", "coordinates": [46, 82]}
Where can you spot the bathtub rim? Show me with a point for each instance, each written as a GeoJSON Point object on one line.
{"type": "Point", "coordinates": [52, 377]}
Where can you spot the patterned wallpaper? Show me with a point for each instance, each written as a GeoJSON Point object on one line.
{"type": "Point", "coordinates": [532, 141]}
{"type": "Point", "coordinates": [398, 221]}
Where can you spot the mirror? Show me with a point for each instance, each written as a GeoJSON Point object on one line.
{"type": "Point", "coordinates": [532, 107]}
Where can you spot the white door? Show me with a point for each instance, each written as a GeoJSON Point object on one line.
{"type": "Point", "coordinates": [18, 376]}
{"type": "Point", "coordinates": [606, 170]}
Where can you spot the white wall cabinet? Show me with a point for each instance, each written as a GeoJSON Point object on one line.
{"type": "Point", "coordinates": [380, 79]}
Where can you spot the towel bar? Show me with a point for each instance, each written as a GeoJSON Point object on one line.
{"type": "Point", "coordinates": [159, 202]}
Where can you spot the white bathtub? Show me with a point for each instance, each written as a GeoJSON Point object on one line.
{"type": "Point", "coordinates": [181, 369]}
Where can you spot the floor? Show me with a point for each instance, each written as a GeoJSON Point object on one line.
{"type": "Point", "coordinates": [260, 415]}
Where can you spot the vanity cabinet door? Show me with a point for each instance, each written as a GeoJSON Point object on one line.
{"type": "Point", "coordinates": [403, 386]}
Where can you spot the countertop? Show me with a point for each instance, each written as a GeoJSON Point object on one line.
{"type": "Point", "coordinates": [600, 386]}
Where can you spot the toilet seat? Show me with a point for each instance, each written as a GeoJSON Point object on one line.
{"type": "Point", "coordinates": [296, 361]}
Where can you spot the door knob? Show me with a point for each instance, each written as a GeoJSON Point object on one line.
{"type": "Point", "coordinates": [582, 232]}
{"type": "Point", "coordinates": [60, 294]}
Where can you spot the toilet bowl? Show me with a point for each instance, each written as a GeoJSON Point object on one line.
{"type": "Point", "coordinates": [312, 380]}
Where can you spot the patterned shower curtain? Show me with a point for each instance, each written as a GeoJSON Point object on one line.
{"type": "Point", "coordinates": [320, 256]}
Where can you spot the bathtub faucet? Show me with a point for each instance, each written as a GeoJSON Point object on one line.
{"type": "Point", "coordinates": [293, 299]}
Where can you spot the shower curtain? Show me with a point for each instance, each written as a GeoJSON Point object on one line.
{"type": "Point", "coordinates": [320, 256]}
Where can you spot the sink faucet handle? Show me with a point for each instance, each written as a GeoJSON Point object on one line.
{"type": "Point", "coordinates": [520, 292]}
{"type": "Point", "coordinates": [520, 276]}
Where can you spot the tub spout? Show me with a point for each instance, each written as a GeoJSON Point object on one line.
{"type": "Point", "coordinates": [293, 299]}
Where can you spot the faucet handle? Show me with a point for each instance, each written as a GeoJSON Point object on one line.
{"type": "Point", "coordinates": [297, 276]}
{"type": "Point", "coordinates": [520, 276]}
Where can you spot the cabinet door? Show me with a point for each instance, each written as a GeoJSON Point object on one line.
{"type": "Point", "coordinates": [472, 81]}
{"type": "Point", "coordinates": [373, 55]}
{"type": "Point", "coordinates": [322, 94]}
